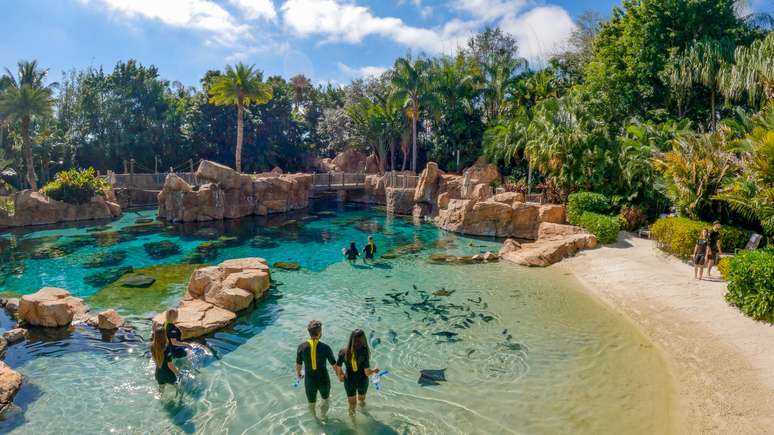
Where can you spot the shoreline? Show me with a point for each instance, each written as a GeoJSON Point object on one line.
{"type": "Point", "coordinates": [721, 362]}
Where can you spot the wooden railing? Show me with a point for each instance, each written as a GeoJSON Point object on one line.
{"type": "Point", "coordinates": [338, 180]}
{"type": "Point", "coordinates": [400, 181]}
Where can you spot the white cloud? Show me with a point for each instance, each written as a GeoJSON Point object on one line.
{"type": "Point", "coordinates": [489, 10]}
{"type": "Point", "coordinates": [254, 9]}
{"type": "Point", "coordinates": [540, 32]}
{"type": "Point", "coordinates": [366, 71]}
{"type": "Point", "coordinates": [201, 15]}
{"type": "Point", "coordinates": [347, 22]}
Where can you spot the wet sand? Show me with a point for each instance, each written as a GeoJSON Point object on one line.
{"type": "Point", "coordinates": [722, 362]}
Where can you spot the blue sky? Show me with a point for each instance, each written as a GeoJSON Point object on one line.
{"type": "Point", "coordinates": [328, 40]}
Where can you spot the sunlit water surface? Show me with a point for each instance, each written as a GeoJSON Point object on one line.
{"type": "Point", "coordinates": [532, 354]}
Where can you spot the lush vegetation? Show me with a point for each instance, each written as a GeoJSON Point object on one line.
{"type": "Point", "coordinates": [750, 278]}
{"type": "Point", "coordinates": [678, 235]}
{"type": "Point", "coordinates": [587, 210]}
{"type": "Point", "coordinates": [76, 186]}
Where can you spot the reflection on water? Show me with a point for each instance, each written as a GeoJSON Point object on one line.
{"type": "Point", "coordinates": [523, 352]}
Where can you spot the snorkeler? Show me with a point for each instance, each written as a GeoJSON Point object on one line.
{"type": "Point", "coordinates": [356, 359]}
{"type": "Point", "coordinates": [161, 350]}
{"type": "Point", "coordinates": [370, 249]}
{"type": "Point", "coordinates": [174, 336]}
{"type": "Point", "coordinates": [312, 356]}
{"type": "Point", "coordinates": [351, 253]}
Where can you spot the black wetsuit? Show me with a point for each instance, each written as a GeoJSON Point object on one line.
{"type": "Point", "coordinates": [701, 252]}
{"type": "Point", "coordinates": [315, 375]}
{"type": "Point", "coordinates": [174, 332]}
{"type": "Point", "coordinates": [369, 250]}
{"type": "Point", "coordinates": [351, 254]}
{"type": "Point", "coordinates": [713, 245]}
{"type": "Point", "coordinates": [355, 381]}
{"type": "Point", "coordinates": [163, 374]}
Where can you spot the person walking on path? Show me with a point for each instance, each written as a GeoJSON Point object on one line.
{"type": "Point", "coordinates": [312, 356]}
{"type": "Point", "coordinates": [701, 253]}
{"type": "Point", "coordinates": [714, 246]}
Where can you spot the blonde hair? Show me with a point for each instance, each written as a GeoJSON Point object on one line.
{"type": "Point", "coordinates": [158, 344]}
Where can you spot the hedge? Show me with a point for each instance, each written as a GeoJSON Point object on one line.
{"type": "Point", "coordinates": [750, 278]}
{"type": "Point", "coordinates": [605, 228]}
{"type": "Point", "coordinates": [75, 186]}
{"type": "Point", "coordinates": [678, 235]}
{"type": "Point", "coordinates": [580, 202]}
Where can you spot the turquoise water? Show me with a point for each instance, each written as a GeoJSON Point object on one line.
{"type": "Point", "coordinates": [531, 353]}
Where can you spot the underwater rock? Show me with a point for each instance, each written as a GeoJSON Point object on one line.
{"type": "Point", "coordinates": [208, 250]}
{"type": "Point", "coordinates": [108, 276]}
{"type": "Point", "coordinates": [98, 229]}
{"type": "Point", "coordinates": [51, 307]}
{"type": "Point", "coordinates": [143, 220]}
{"type": "Point", "coordinates": [10, 382]}
{"type": "Point", "coordinates": [105, 259]}
{"type": "Point", "coordinates": [107, 239]}
{"type": "Point", "coordinates": [263, 242]}
{"type": "Point", "coordinates": [287, 265]}
{"type": "Point", "coordinates": [138, 280]}
{"type": "Point", "coordinates": [162, 249]}
{"type": "Point", "coordinates": [169, 285]}
{"type": "Point", "coordinates": [206, 233]}
{"type": "Point", "coordinates": [431, 377]}
{"type": "Point", "coordinates": [399, 251]}
{"type": "Point", "coordinates": [109, 320]}
{"type": "Point", "coordinates": [142, 229]}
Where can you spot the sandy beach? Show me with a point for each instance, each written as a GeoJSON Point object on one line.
{"type": "Point", "coordinates": [722, 362]}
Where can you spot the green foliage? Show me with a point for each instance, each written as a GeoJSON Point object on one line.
{"type": "Point", "coordinates": [632, 218]}
{"type": "Point", "coordinates": [750, 279]}
{"type": "Point", "coordinates": [76, 186]}
{"type": "Point", "coordinates": [678, 235]}
{"type": "Point", "coordinates": [581, 202]}
{"type": "Point", "coordinates": [724, 266]}
{"type": "Point", "coordinates": [605, 228]}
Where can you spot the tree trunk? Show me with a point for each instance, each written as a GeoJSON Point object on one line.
{"type": "Point", "coordinates": [414, 143]}
{"type": "Point", "coordinates": [392, 155]}
{"type": "Point", "coordinates": [713, 122]}
{"type": "Point", "coordinates": [240, 132]}
{"type": "Point", "coordinates": [27, 153]}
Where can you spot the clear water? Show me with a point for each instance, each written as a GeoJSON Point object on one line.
{"type": "Point", "coordinates": [537, 355]}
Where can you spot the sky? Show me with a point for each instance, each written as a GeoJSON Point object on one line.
{"type": "Point", "coordinates": [327, 40]}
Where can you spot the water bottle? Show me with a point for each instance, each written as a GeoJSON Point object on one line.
{"type": "Point", "coordinates": [298, 380]}
{"type": "Point", "coordinates": [376, 379]}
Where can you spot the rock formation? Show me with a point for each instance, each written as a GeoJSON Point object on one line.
{"type": "Point", "coordinates": [10, 382]}
{"type": "Point", "coordinates": [216, 293]}
{"type": "Point", "coordinates": [491, 217]}
{"type": "Point", "coordinates": [51, 307]}
{"type": "Point", "coordinates": [399, 200]}
{"type": "Point", "coordinates": [34, 208]}
{"type": "Point", "coordinates": [109, 320]}
{"type": "Point", "coordinates": [228, 194]}
{"type": "Point", "coordinates": [554, 243]}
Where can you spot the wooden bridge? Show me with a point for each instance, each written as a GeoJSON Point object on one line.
{"type": "Point", "coordinates": [335, 181]}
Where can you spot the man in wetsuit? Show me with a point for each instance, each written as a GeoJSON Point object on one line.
{"type": "Point", "coordinates": [370, 249]}
{"type": "Point", "coordinates": [312, 356]}
{"type": "Point", "coordinates": [174, 336]}
{"type": "Point", "coordinates": [714, 246]}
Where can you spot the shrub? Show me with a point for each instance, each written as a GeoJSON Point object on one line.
{"type": "Point", "coordinates": [751, 283]}
{"type": "Point", "coordinates": [632, 218]}
{"type": "Point", "coordinates": [605, 228]}
{"type": "Point", "coordinates": [75, 186]}
{"type": "Point", "coordinates": [578, 203]}
{"type": "Point", "coordinates": [723, 266]}
{"type": "Point", "coordinates": [678, 235]}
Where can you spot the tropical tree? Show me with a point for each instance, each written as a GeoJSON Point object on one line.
{"type": "Point", "coordinates": [377, 121]}
{"type": "Point", "coordinates": [26, 99]}
{"type": "Point", "coordinates": [240, 86]}
{"type": "Point", "coordinates": [412, 89]}
{"type": "Point", "coordinates": [301, 85]}
{"type": "Point", "coordinates": [752, 73]}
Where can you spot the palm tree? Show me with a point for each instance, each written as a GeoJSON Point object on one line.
{"type": "Point", "coordinates": [240, 86]}
{"type": "Point", "coordinates": [26, 99]}
{"type": "Point", "coordinates": [412, 89]}
{"type": "Point", "coordinates": [300, 84]}
{"type": "Point", "coordinates": [752, 72]}
{"type": "Point", "coordinates": [377, 120]}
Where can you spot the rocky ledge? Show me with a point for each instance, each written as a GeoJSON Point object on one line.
{"type": "Point", "coordinates": [227, 194]}
{"type": "Point", "coordinates": [554, 243]}
{"type": "Point", "coordinates": [34, 208]}
{"type": "Point", "coordinates": [216, 293]}
{"type": "Point", "coordinates": [53, 307]}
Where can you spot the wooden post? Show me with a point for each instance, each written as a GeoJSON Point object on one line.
{"type": "Point", "coordinates": [155, 164]}
{"type": "Point", "coordinates": [131, 181]}
{"type": "Point", "coordinates": [190, 166]}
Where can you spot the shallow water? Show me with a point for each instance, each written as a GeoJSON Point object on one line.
{"type": "Point", "coordinates": [532, 354]}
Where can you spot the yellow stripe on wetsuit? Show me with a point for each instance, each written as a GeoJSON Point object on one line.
{"type": "Point", "coordinates": [353, 362]}
{"type": "Point", "coordinates": [313, 350]}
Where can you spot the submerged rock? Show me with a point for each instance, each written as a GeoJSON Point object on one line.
{"type": "Point", "coordinates": [108, 276]}
{"type": "Point", "coordinates": [138, 280]}
{"type": "Point", "coordinates": [15, 335]}
{"type": "Point", "coordinates": [51, 307]}
{"type": "Point", "coordinates": [263, 242]}
{"type": "Point", "coordinates": [10, 382]}
{"type": "Point", "coordinates": [105, 259]}
{"type": "Point", "coordinates": [162, 249]}
{"type": "Point", "coordinates": [287, 265]}
{"type": "Point", "coordinates": [407, 249]}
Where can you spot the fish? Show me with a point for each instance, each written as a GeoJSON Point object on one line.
{"type": "Point", "coordinates": [511, 346]}
{"type": "Point", "coordinates": [505, 331]}
{"type": "Point", "coordinates": [470, 352]}
{"type": "Point", "coordinates": [417, 332]}
{"type": "Point", "coordinates": [486, 318]}
{"type": "Point", "coordinates": [443, 292]}
{"type": "Point", "coordinates": [475, 301]}
{"type": "Point", "coordinates": [509, 337]}
{"type": "Point", "coordinates": [447, 334]}
{"type": "Point", "coordinates": [415, 286]}
{"type": "Point", "coordinates": [431, 377]}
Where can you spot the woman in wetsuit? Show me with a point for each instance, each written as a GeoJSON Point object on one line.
{"type": "Point", "coordinates": [701, 254]}
{"type": "Point", "coordinates": [351, 253]}
{"type": "Point", "coordinates": [355, 359]}
{"type": "Point", "coordinates": [174, 336]}
{"type": "Point", "coordinates": [166, 372]}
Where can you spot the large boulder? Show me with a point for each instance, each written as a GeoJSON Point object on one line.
{"type": "Point", "coordinates": [222, 175]}
{"type": "Point", "coordinates": [10, 382]}
{"type": "Point", "coordinates": [372, 165]}
{"type": "Point", "coordinates": [109, 320]}
{"type": "Point", "coordinates": [51, 307]}
{"type": "Point", "coordinates": [35, 208]}
{"type": "Point", "coordinates": [427, 187]}
{"type": "Point", "coordinates": [481, 172]}
{"type": "Point", "coordinates": [400, 201]}
{"type": "Point", "coordinates": [196, 317]}
{"type": "Point", "coordinates": [349, 161]}
{"type": "Point", "coordinates": [545, 252]}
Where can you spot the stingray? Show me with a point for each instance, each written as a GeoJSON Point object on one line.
{"type": "Point", "coordinates": [375, 341]}
{"type": "Point", "coordinates": [417, 332]}
{"type": "Point", "coordinates": [486, 318]}
{"type": "Point", "coordinates": [447, 334]}
{"type": "Point", "coordinates": [393, 336]}
{"type": "Point", "coordinates": [415, 286]}
{"type": "Point", "coordinates": [431, 377]}
{"type": "Point", "coordinates": [505, 331]}
{"type": "Point", "coordinates": [475, 301]}
{"type": "Point", "coordinates": [443, 292]}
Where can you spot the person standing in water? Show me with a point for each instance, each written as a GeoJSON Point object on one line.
{"type": "Point", "coordinates": [370, 249]}
{"type": "Point", "coordinates": [161, 351]}
{"type": "Point", "coordinates": [174, 336]}
{"type": "Point", "coordinates": [355, 359]}
{"type": "Point", "coordinates": [312, 356]}
{"type": "Point", "coordinates": [351, 253]}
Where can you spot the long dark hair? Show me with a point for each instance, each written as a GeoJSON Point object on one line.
{"type": "Point", "coordinates": [357, 337]}
{"type": "Point", "coordinates": [158, 344]}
